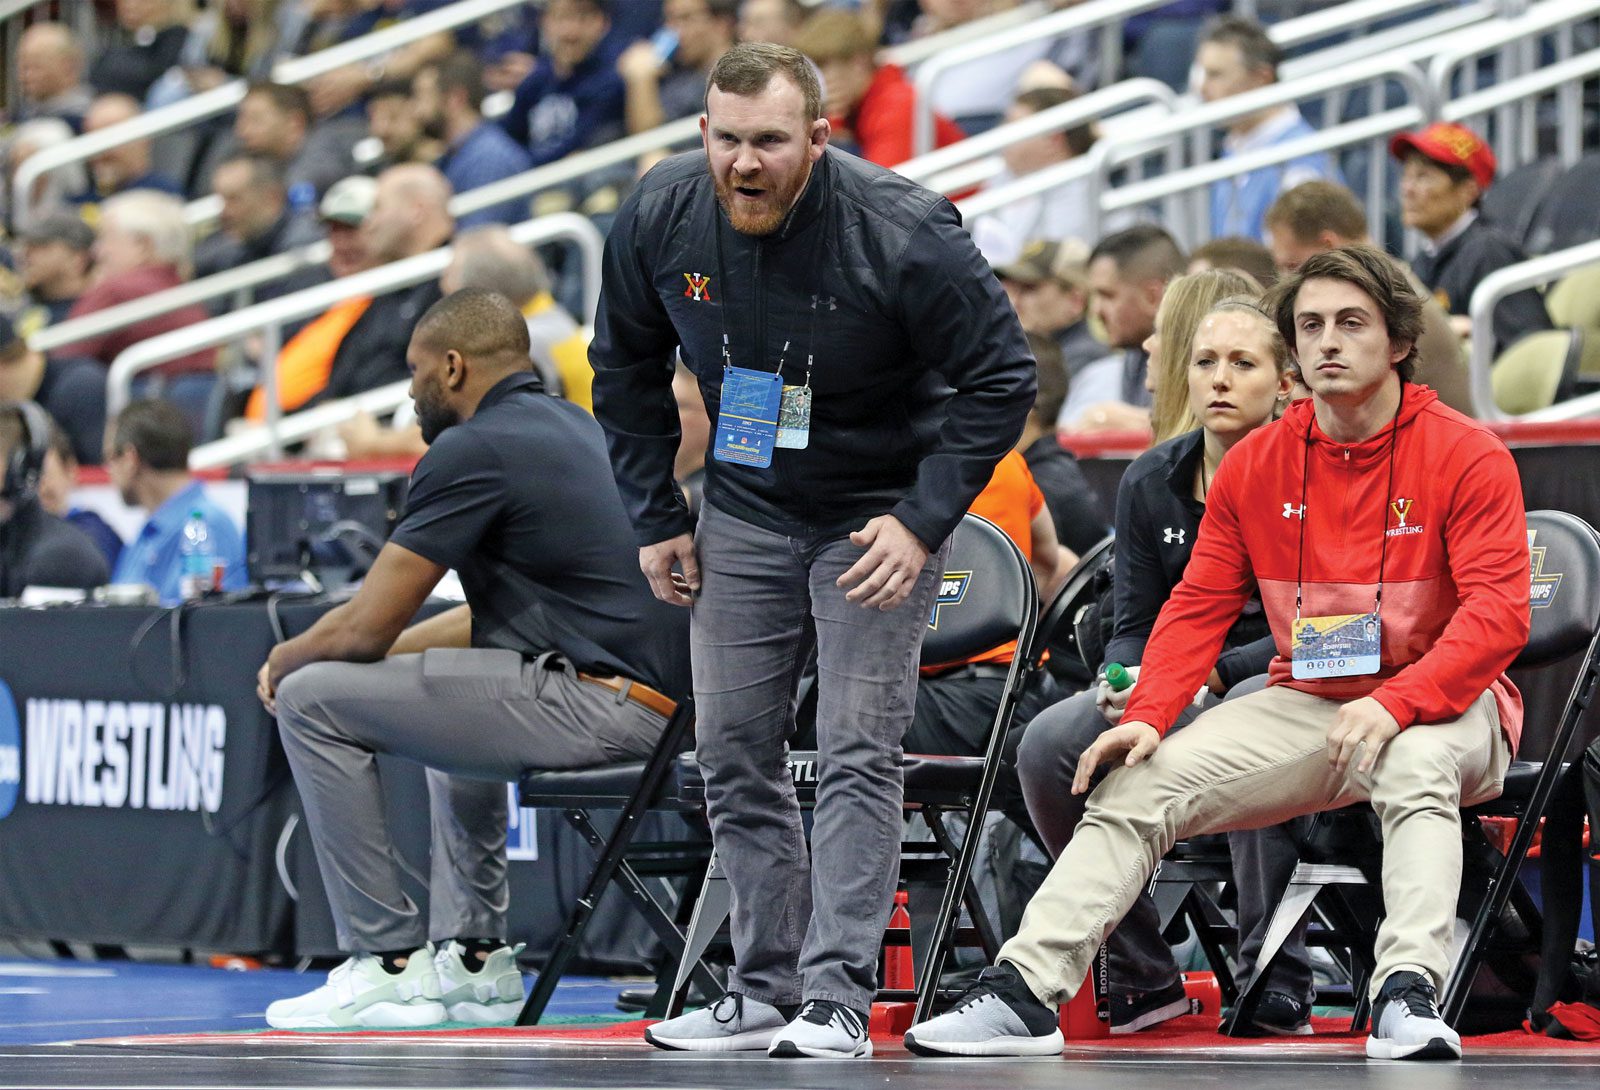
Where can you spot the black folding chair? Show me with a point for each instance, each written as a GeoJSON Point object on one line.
{"type": "Point", "coordinates": [1564, 595]}
{"type": "Point", "coordinates": [1058, 632]}
{"type": "Point", "coordinates": [1188, 874]}
{"type": "Point", "coordinates": [986, 598]}
{"type": "Point", "coordinates": [634, 789]}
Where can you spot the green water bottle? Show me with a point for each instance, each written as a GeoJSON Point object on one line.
{"type": "Point", "coordinates": [1117, 676]}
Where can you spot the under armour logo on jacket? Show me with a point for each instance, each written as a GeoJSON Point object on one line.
{"type": "Point", "coordinates": [820, 301]}
{"type": "Point", "coordinates": [1291, 511]}
{"type": "Point", "coordinates": [1173, 536]}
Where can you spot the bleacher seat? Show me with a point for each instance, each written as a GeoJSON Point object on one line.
{"type": "Point", "coordinates": [1546, 367]}
{"type": "Point", "coordinates": [1574, 300]}
{"type": "Point", "coordinates": [1514, 202]}
{"type": "Point", "coordinates": [1570, 215]}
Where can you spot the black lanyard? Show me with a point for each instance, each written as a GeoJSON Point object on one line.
{"type": "Point", "coordinates": [1383, 548]}
{"type": "Point", "coordinates": [816, 298]}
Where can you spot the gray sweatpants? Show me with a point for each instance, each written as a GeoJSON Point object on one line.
{"type": "Point", "coordinates": [477, 718]}
{"type": "Point", "coordinates": [803, 927]}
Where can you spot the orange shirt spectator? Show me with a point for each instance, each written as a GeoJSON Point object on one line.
{"type": "Point", "coordinates": [1012, 501]}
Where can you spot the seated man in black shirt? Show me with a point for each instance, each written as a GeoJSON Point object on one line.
{"type": "Point", "coordinates": [561, 658]}
{"type": "Point", "coordinates": [36, 548]}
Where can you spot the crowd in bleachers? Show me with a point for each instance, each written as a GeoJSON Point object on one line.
{"type": "Point", "coordinates": [369, 156]}
{"type": "Point", "coordinates": [293, 164]}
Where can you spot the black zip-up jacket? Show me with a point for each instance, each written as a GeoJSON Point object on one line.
{"type": "Point", "coordinates": [922, 378]}
{"type": "Point", "coordinates": [1158, 519]}
{"type": "Point", "coordinates": [1460, 265]}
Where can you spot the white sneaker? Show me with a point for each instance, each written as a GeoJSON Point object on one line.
{"type": "Point", "coordinates": [997, 1015]}
{"type": "Point", "coordinates": [488, 995]}
{"type": "Point", "coordinates": [823, 1029]}
{"type": "Point", "coordinates": [1406, 1024]}
{"type": "Point", "coordinates": [734, 1023]}
{"type": "Point", "coordinates": [360, 993]}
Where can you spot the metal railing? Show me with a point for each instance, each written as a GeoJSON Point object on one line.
{"type": "Point", "coordinates": [1170, 138]}
{"type": "Point", "coordinates": [1533, 273]}
{"type": "Point", "coordinates": [1564, 79]}
{"type": "Point", "coordinates": [573, 167]}
{"type": "Point", "coordinates": [1102, 15]}
{"type": "Point", "coordinates": [259, 439]}
{"type": "Point", "coordinates": [1193, 130]}
{"type": "Point", "coordinates": [269, 318]}
{"type": "Point", "coordinates": [1107, 16]}
{"type": "Point", "coordinates": [221, 99]}
{"type": "Point", "coordinates": [910, 54]}
{"type": "Point", "coordinates": [1414, 40]}
{"type": "Point", "coordinates": [245, 278]}
{"type": "Point", "coordinates": [933, 168]}
{"type": "Point", "coordinates": [1342, 18]}
{"type": "Point", "coordinates": [1514, 43]}
{"type": "Point", "coordinates": [202, 212]}
{"type": "Point", "coordinates": [252, 275]}
{"type": "Point", "coordinates": [242, 280]}
{"type": "Point", "coordinates": [1197, 180]}
{"type": "Point", "coordinates": [238, 282]}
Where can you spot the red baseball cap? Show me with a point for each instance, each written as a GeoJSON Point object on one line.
{"type": "Point", "coordinates": [1449, 145]}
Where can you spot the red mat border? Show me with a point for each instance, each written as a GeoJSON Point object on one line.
{"type": "Point", "coordinates": [1196, 1033]}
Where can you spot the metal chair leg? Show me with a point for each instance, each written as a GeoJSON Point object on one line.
{"type": "Point", "coordinates": [711, 911]}
{"type": "Point", "coordinates": [1308, 880]}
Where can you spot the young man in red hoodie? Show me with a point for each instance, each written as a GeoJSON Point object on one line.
{"type": "Point", "coordinates": [870, 105]}
{"type": "Point", "coordinates": [1387, 537]}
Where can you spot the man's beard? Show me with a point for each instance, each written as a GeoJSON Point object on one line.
{"type": "Point", "coordinates": [766, 216]}
{"type": "Point", "coordinates": [434, 419]}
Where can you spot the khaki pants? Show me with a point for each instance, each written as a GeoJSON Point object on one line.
{"type": "Point", "coordinates": [1257, 761]}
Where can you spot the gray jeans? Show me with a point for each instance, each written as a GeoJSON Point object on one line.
{"type": "Point", "coordinates": [477, 718]}
{"type": "Point", "coordinates": [803, 927]}
{"type": "Point", "coordinates": [1139, 959]}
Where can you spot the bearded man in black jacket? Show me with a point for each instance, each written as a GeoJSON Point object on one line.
{"type": "Point", "coordinates": [865, 374]}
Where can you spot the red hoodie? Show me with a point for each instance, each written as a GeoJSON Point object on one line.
{"type": "Point", "coordinates": [882, 121]}
{"type": "Point", "coordinates": [1455, 594]}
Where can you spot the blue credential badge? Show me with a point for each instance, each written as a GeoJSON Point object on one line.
{"type": "Point", "coordinates": [1350, 645]}
{"type": "Point", "coordinates": [747, 423]}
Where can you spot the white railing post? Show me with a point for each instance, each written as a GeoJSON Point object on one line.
{"type": "Point", "coordinates": [224, 98]}
{"type": "Point", "coordinates": [1533, 273]}
{"type": "Point", "coordinates": [1095, 106]}
{"type": "Point", "coordinates": [1081, 17]}
{"type": "Point", "coordinates": [271, 348]}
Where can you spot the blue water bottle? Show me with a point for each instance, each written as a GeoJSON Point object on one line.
{"type": "Point", "coordinates": [198, 573]}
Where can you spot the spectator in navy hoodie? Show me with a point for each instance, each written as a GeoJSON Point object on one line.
{"type": "Point", "coordinates": [448, 100]}
{"type": "Point", "coordinates": [573, 98]}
